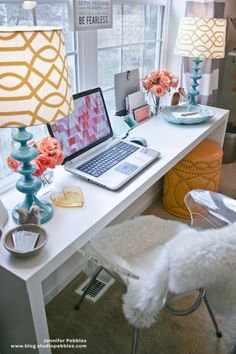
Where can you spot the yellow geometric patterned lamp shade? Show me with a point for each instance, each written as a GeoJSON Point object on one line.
{"type": "Point", "coordinates": [200, 37]}
{"type": "Point", "coordinates": [34, 82]}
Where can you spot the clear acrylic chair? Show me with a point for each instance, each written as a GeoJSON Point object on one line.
{"type": "Point", "coordinates": [210, 209]}
{"type": "Point", "coordinates": [107, 250]}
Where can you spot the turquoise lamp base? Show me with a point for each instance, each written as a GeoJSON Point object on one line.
{"type": "Point", "coordinates": [28, 184]}
{"type": "Point", "coordinates": [193, 92]}
{"type": "Point", "coordinates": [46, 210]}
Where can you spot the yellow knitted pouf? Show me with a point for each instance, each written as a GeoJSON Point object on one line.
{"type": "Point", "coordinates": [199, 169]}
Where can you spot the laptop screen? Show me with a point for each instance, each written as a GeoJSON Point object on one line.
{"type": "Point", "coordinates": [86, 127]}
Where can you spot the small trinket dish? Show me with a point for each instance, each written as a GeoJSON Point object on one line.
{"type": "Point", "coordinates": [41, 241]}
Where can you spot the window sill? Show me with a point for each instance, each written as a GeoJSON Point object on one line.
{"type": "Point", "coordinates": [8, 182]}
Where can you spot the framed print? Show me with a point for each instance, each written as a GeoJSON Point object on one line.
{"type": "Point", "coordinates": [92, 14]}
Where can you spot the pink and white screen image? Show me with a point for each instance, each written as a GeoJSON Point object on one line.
{"type": "Point", "coordinates": [86, 125]}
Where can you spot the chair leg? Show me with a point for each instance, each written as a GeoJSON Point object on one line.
{"type": "Point", "coordinates": [88, 286]}
{"type": "Point", "coordinates": [135, 338]}
{"type": "Point", "coordinates": [218, 332]}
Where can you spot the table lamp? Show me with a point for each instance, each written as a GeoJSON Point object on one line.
{"type": "Point", "coordinates": [200, 38]}
{"type": "Point", "coordinates": [34, 89]}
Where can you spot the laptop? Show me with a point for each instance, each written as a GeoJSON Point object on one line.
{"type": "Point", "coordinates": [90, 149]}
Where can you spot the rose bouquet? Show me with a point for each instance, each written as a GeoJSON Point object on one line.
{"type": "Point", "coordinates": [50, 155]}
{"type": "Point", "coordinates": [158, 82]}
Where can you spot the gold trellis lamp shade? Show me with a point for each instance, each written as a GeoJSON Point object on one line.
{"type": "Point", "coordinates": [34, 89]}
{"type": "Point", "coordinates": [200, 38]}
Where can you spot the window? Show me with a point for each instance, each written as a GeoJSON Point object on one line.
{"type": "Point", "coordinates": [135, 41]}
{"type": "Point", "coordinates": [47, 12]}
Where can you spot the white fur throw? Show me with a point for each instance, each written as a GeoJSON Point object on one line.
{"type": "Point", "coordinates": [171, 256]}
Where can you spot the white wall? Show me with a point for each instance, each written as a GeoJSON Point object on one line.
{"type": "Point", "coordinates": [228, 68]}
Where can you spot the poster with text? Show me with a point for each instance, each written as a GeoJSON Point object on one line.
{"type": "Point", "coordinates": [93, 14]}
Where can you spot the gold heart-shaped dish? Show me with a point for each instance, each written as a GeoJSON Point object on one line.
{"type": "Point", "coordinates": [70, 197]}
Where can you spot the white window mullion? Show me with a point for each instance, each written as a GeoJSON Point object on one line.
{"type": "Point", "coordinates": [88, 59]}
{"type": "Point", "coordinates": [159, 35]}
{"type": "Point", "coordinates": [122, 38]}
{"type": "Point", "coordinates": [76, 61]}
{"type": "Point", "coordinates": [164, 34]}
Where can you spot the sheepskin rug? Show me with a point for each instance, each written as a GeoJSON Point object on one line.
{"type": "Point", "coordinates": [169, 256]}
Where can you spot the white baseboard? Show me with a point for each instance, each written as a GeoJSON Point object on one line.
{"type": "Point", "coordinates": [59, 279]}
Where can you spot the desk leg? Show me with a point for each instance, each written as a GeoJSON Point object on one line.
{"type": "Point", "coordinates": [39, 315]}
{"type": "Point", "coordinates": [22, 315]}
{"type": "Point", "coordinates": [218, 135]}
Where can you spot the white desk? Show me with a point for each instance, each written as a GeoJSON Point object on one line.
{"type": "Point", "coordinates": [22, 311]}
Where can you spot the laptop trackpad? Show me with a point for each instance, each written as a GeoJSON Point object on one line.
{"type": "Point", "coordinates": [126, 168]}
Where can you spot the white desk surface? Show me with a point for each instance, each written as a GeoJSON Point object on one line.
{"type": "Point", "coordinates": [71, 228]}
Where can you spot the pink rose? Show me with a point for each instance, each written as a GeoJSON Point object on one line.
{"type": "Point", "coordinates": [13, 164]}
{"type": "Point", "coordinates": [158, 90]}
{"type": "Point", "coordinates": [166, 72]}
{"type": "Point", "coordinates": [48, 146]}
{"type": "Point", "coordinates": [147, 84]}
{"type": "Point", "coordinates": [41, 164]}
{"type": "Point", "coordinates": [165, 81]}
{"type": "Point", "coordinates": [150, 79]}
{"type": "Point", "coordinates": [154, 76]}
{"type": "Point", "coordinates": [52, 161]}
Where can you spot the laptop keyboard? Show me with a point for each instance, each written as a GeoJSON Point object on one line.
{"type": "Point", "coordinates": [107, 159]}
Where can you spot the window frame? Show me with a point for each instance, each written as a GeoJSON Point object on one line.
{"type": "Point", "coordinates": [158, 41]}
{"type": "Point", "coordinates": [88, 59]}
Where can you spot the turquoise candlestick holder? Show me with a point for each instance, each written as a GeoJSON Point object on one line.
{"type": "Point", "coordinates": [28, 184]}
{"type": "Point", "coordinates": [193, 91]}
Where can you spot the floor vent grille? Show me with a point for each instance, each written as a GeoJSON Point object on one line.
{"type": "Point", "coordinates": [100, 286]}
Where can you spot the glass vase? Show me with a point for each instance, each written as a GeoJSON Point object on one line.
{"type": "Point", "coordinates": [155, 105]}
{"type": "Point", "coordinates": [47, 179]}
